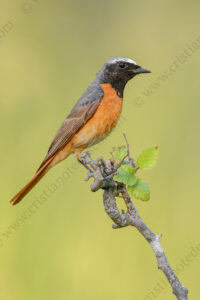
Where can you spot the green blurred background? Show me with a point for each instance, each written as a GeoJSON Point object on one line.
{"type": "Point", "coordinates": [65, 248]}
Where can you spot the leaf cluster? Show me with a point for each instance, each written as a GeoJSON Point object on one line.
{"type": "Point", "coordinates": [126, 172]}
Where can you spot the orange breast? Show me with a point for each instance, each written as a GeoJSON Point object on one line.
{"type": "Point", "coordinates": [97, 128]}
{"type": "Point", "coordinates": [102, 122]}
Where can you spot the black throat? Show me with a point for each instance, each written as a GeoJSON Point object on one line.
{"type": "Point", "coordinates": [117, 83]}
{"type": "Point", "coordinates": [119, 87]}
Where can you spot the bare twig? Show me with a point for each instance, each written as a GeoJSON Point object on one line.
{"type": "Point", "coordinates": [131, 160]}
{"type": "Point", "coordinates": [102, 173]}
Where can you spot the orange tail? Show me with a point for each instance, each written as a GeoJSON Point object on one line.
{"type": "Point", "coordinates": [36, 178]}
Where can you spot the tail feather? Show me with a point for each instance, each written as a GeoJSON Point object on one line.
{"type": "Point", "coordinates": [36, 178]}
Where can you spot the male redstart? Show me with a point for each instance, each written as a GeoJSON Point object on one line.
{"type": "Point", "coordinates": [92, 118]}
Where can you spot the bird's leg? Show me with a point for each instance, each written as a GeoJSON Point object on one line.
{"type": "Point", "coordinates": [84, 164]}
{"type": "Point", "coordinates": [80, 160]}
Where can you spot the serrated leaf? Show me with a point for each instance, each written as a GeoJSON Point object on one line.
{"type": "Point", "coordinates": [148, 158]}
{"type": "Point", "coordinates": [126, 174]}
{"type": "Point", "coordinates": [120, 153]}
{"type": "Point", "coordinates": [140, 190]}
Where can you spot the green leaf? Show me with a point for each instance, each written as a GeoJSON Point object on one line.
{"type": "Point", "coordinates": [126, 174]}
{"type": "Point", "coordinates": [148, 158]}
{"type": "Point", "coordinates": [140, 190]}
{"type": "Point", "coordinates": [125, 162]}
{"type": "Point", "coordinates": [120, 153]}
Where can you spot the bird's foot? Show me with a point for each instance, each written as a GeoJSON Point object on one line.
{"type": "Point", "coordinates": [81, 160]}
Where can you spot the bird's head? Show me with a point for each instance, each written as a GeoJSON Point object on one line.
{"type": "Point", "coordinates": [119, 70]}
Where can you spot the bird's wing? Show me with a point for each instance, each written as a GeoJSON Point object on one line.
{"type": "Point", "coordinates": [77, 118]}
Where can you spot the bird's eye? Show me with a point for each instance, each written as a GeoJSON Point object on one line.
{"type": "Point", "coordinates": [122, 65]}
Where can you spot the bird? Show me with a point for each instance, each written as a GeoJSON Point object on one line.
{"type": "Point", "coordinates": [92, 118]}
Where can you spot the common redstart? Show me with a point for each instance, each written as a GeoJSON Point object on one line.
{"type": "Point", "coordinates": [92, 118]}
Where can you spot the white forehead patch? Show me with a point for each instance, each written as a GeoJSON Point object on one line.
{"type": "Point", "coordinates": [116, 59]}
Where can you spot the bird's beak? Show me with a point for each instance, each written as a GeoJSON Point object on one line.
{"type": "Point", "coordinates": [141, 70]}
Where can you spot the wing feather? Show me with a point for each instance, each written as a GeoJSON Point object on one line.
{"type": "Point", "coordinates": [77, 118]}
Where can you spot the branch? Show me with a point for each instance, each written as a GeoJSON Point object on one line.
{"type": "Point", "coordinates": [103, 172]}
